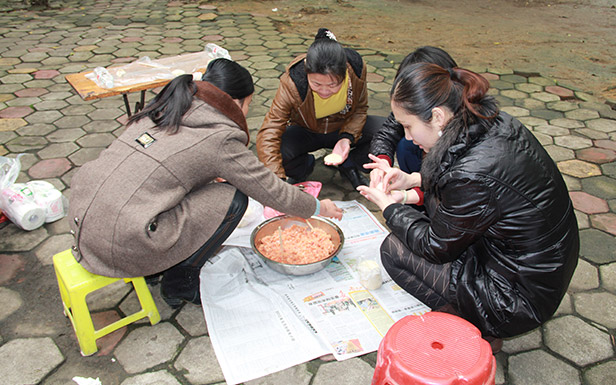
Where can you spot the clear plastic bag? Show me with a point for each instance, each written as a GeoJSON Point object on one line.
{"type": "Point", "coordinates": [28, 205]}
{"type": "Point", "coordinates": [369, 271]}
{"type": "Point", "coordinates": [9, 170]}
{"type": "Point", "coordinates": [253, 212]}
{"type": "Point", "coordinates": [146, 70]}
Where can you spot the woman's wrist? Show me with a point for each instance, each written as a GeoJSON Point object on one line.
{"type": "Point", "coordinates": [317, 211]}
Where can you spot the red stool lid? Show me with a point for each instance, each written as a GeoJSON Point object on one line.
{"type": "Point", "coordinates": [437, 348]}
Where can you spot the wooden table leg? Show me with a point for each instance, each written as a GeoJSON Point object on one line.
{"type": "Point", "coordinates": [126, 104]}
{"type": "Point", "coordinates": [138, 106]}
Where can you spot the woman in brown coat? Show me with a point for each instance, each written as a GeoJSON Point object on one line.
{"type": "Point", "coordinates": [322, 102]}
{"type": "Point", "coordinates": [154, 201]}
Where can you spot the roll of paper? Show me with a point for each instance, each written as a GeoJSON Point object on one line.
{"type": "Point", "coordinates": [28, 216]}
{"type": "Point", "coordinates": [48, 198]}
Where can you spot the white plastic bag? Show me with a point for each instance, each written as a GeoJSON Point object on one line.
{"type": "Point", "coordinates": [50, 199]}
{"type": "Point", "coordinates": [17, 202]}
{"type": "Point", "coordinates": [369, 272]}
{"type": "Point", "coordinates": [253, 212]}
{"type": "Point", "coordinates": [28, 205]}
{"type": "Point", "coordinates": [9, 170]}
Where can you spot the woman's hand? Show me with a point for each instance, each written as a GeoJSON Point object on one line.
{"type": "Point", "coordinates": [342, 148]}
{"type": "Point", "coordinates": [388, 178]}
{"type": "Point", "coordinates": [379, 170]}
{"type": "Point", "coordinates": [379, 197]}
{"type": "Point", "coordinates": [330, 210]}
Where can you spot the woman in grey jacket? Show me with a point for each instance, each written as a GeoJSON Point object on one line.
{"type": "Point", "coordinates": [166, 194]}
{"type": "Point", "coordinates": [499, 240]}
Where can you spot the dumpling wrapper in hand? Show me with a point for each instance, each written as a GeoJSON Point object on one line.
{"type": "Point", "coordinates": [333, 159]}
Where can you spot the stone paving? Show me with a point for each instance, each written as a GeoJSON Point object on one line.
{"type": "Point", "coordinates": [42, 117]}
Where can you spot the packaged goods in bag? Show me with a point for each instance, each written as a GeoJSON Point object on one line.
{"type": "Point", "coordinates": [28, 205]}
{"type": "Point", "coordinates": [50, 199]}
{"type": "Point", "coordinates": [18, 204]}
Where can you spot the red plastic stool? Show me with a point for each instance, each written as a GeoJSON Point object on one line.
{"type": "Point", "coordinates": [435, 348]}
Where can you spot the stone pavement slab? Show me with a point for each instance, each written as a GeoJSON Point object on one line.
{"type": "Point", "coordinates": [41, 116]}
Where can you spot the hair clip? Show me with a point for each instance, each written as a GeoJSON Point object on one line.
{"type": "Point", "coordinates": [331, 35]}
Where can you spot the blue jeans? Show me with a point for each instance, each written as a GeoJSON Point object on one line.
{"type": "Point", "coordinates": [409, 156]}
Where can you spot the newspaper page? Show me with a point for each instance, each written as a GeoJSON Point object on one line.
{"type": "Point", "coordinates": [261, 321]}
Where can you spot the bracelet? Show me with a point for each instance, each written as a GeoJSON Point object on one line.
{"type": "Point", "coordinates": [317, 211]}
{"type": "Point", "coordinates": [404, 199]}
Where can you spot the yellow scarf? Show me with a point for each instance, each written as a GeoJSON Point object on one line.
{"type": "Point", "coordinates": [333, 104]}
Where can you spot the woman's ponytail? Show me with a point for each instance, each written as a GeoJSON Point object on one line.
{"type": "Point", "coordinates": [475, 90]}
{"type": "Point", "coordinates": [421, 87]}
{"type": "Point", "coordinates": [169, 106]}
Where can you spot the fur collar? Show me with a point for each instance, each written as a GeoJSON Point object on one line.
{"type": "Point", "coordinates": [221, 101]}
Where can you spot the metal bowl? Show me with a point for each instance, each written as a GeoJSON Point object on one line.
{"type": "Point", "coordinates": [270, 227]}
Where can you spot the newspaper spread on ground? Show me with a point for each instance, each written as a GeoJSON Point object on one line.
{"type": "Point", "coordinates": [261, 321]}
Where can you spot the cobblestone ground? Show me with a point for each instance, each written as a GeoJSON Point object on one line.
{"type": "Point", "coordinates": [41, 116]}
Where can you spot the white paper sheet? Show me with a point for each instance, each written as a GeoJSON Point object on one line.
{"type": "Point", "coordinates": [261, 321]}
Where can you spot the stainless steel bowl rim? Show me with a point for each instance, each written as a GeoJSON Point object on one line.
{"type": "Point", "coordinates": [281, 217]}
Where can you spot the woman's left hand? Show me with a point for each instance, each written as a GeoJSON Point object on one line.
{"type": "Point", "coordinates": [379, 197]}
{"type": "Point", "coordinates": [342, 148]}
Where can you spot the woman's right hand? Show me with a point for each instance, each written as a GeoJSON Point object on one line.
{"type": "Point", "coordinates": [388, 178]}
{"type": "Point", "coordinates": [330, 210]}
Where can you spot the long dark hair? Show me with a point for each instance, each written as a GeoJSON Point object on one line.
{"type": "Point", "coordinates": [326, 56]}
{"type": "Point", "coordinates": [421, 87]}
{"type": "Point", "coordinates": [230, 77]}
{"type": "Point", "coordinates": [428, 54]}
{"type": "Point", "coordinates": [169, 106]}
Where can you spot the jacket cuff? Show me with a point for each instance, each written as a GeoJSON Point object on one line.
{"type": "Point", "coordinates": [390, 209]}
{"type": "Point", "coordinates": [385, 157]}
{"type": "Point", "coordinates": [421, 196]}
{"type": "Point", "coordinates": [346, 135]}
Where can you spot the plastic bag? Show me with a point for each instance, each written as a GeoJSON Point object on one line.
{"type": "Point", "coordinates": [369, 272]}
{"type": "Point", "coordinates": [253, 212]}
{"type": "Point", "coordinates": [28, 205]}
{"type": "Point", "coordinates": [312, 188]}
{"type": "Point", "coordinates": [145, 70]}
{"type": "Point", "coordinates": [9, 170]}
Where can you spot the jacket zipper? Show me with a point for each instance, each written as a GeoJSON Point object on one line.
{"type": "Point", "coordinates": [326, 124]}
{"type": "Point", "coordinates": [302, 115]}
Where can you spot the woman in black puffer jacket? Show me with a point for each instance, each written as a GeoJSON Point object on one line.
{"type": "Point", "coordinates": [390, 140]}
{"type": "Point", "coordinates": [499, 240]}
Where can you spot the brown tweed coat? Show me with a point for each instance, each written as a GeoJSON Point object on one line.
{"type": "Point", "coordinates": [139, 210]}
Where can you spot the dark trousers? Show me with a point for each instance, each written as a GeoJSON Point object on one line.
{"type": "Point", "coordinates": [182, 280]}
{"type": "Point", "coordinates": [426, 281]}
{"type": "Point", "coordinates": [298, 141]}
{"type": "Point", "coordinates": [236, 211]}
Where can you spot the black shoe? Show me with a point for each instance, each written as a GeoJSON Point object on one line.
{"type": "Point", "coordinates": [354, 176]}
{"type": "Point", "coordinates": [180, 284]}
{"type": "Point", "coordinates": [153, 279]}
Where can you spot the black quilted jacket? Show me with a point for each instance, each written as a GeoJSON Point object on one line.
{"type": "Point", "coordinates": [502, 215]}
